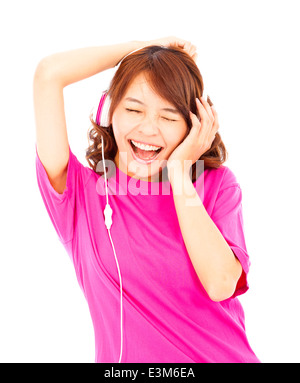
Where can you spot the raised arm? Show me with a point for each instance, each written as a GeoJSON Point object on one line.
{"type": "Point", "coordinates": [52, 74]}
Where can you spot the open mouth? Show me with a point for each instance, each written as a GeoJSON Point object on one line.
{"type": "Point", "coordinates": [144, 153]}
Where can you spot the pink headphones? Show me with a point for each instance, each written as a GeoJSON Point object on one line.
{"type": "Point", "coordinates": [100, 113]}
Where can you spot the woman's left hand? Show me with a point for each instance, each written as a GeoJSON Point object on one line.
{"type": "Point", "coordinates": [199, 139]}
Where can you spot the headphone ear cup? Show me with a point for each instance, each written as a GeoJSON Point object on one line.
{"type": "Point", "coordinates": [100, 114]}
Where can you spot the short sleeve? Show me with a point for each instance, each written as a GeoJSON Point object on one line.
{"type": "Point", "coordinates": [61, 208]}
{"type": "Point", "coordinates": [227, 216]}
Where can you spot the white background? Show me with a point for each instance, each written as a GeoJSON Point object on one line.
{"type": "Point", "coordinates": [249, 58]}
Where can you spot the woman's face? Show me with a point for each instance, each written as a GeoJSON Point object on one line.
{"type": "Point", "coordinates": [144, 117]}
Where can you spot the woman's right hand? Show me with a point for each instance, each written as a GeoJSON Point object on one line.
{"type": "Point", "coordinates": [187, 46]}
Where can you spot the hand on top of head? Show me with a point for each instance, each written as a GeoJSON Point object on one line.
{"type": "Point", "coordinates": [187, 46]}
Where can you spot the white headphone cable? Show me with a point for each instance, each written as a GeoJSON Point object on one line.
{"type": "Point", "coordinates": [108, 222]}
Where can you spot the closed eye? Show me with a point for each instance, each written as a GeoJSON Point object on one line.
{"type": "Point", "coordinates": [138, 111]}
{"type": "Point", "coordinates": [132, 110]}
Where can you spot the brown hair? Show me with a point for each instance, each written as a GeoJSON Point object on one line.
{"type": "Point", "coordinates": [173, 75]}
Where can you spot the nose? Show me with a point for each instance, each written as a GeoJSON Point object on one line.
{"type": "Point", "coordinates": [149, 127]}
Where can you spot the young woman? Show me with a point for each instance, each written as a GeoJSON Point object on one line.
{"type": "Point", "coordinates": [181, 254]}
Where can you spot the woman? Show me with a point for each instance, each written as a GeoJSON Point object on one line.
{"type": "Point", "coordinates": [182, 253]}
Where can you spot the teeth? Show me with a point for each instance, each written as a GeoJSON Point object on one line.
{"type": "Point", "coordinates": [145, 147]}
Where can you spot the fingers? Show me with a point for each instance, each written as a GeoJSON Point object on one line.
{"type": "Point", "coordinates": [180, 42]}
{"type": "Point", "coordinates": [216, 120]}
{"type": "Point", "coordinates": [195, 57]}
{"type": "Point", "coordinates": [203, 132]}
{"type": "Point", "coordinates": [190, 49]}
{"type": "Point", "coordinates": [207, 108]}
{"type": "Point", "coordinates": [195, 121]}
{"type": "Point", "coordinates": [185, 45]}
{"type": "Point", "coordinates": [209, 122]}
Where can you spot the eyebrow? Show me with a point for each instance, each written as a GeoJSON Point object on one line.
{"type": "Point", "coordinates": [171, 110]}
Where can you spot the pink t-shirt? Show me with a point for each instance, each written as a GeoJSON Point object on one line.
{"type": "Point", "coordinates": [168, 316]}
